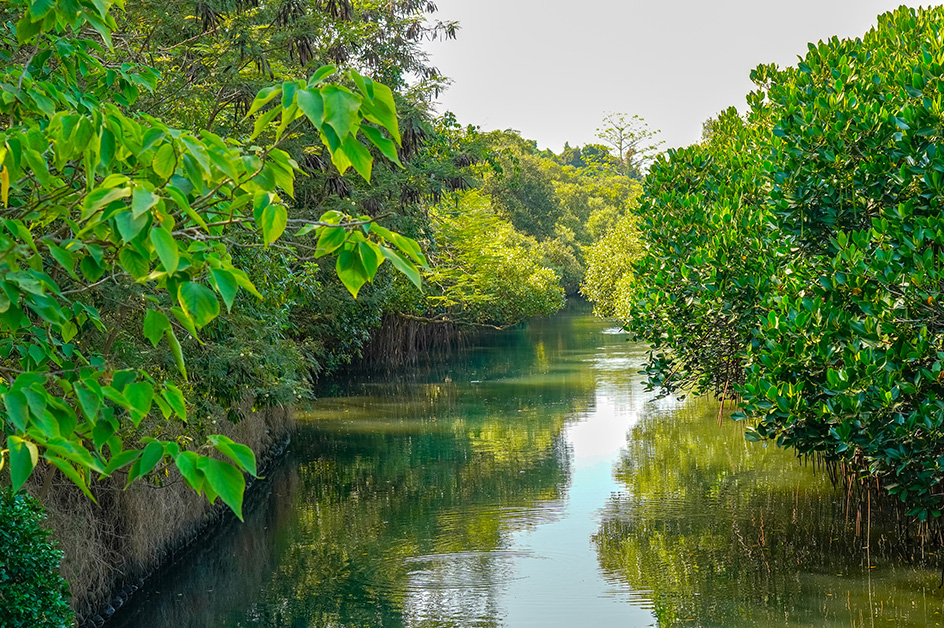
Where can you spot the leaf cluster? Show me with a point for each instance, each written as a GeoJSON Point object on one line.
{"type": "Point", "coordinates": [794, 257]}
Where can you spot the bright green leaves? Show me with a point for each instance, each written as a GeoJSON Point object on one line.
{"type": "Point", "coordinates": [50, 15]}
{"type": "Point", "coordinates": [165, 162]}
{"type": "Point", "coordinates": [216, 478]}
{"type": "Point", "coordinates": [359, 258]}
{"type": "Point", "coordinates": [339, 114]}
{"type": "Point", "coordinates": [198, 302]}
{"type": "Point", "coordinates": [117, 208]}
{"type": "Point", "coordinates": [139, 396]}
{"type": "Point", "coordinates": [272, 221]}
{"type": "Point", "coordinates": [101, 197]}
{"type": "Point", "coordinates": [312, 104]}
{"type": "Point", "coordinates": [155, 324]}
{"type": "Point", "coordinates": [166, 248]}
{"type": "Point", "coordinates": [341, 109]}
{"type": "Point", "coordinates": [241, 455]}
{"type": "Point", "coordinates": [24, 456]}
{"type": "Point", "coordinates": [806, 239]}
{"type": "Point", "coordinates": [378, 105]}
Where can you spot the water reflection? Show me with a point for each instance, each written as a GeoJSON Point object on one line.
{"type": "Point", "coordinates": [501, 489]}
{"type": "Point", "coordinates": [411, 499]}
{"type": "Point", "coordinates": [717, 531]}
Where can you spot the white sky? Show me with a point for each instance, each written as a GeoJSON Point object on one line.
{"type": "Point", "coordinates": [552, 68]}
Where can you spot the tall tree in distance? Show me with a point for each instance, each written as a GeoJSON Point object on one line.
{"type": "Point", "coordinates": [635, 143]}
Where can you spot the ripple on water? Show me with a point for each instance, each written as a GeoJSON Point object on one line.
{"type": "Point", "coordinates": [614, 331]}
{"type": "Point", "coordinates": [457, 587]}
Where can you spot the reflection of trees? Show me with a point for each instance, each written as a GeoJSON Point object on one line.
{"type": "Point", "coordinates": [727, 533]}
{"type": "Point", "coordinates": [395, 504]}
{"type": "Point", "coordinates": [377, 528]}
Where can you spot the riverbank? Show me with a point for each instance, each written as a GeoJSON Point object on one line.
{"type": "Point", "coordinates": [112, 546]}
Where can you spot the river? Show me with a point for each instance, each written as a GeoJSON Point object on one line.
{"type": "Point", "coordinates": [530, 481]}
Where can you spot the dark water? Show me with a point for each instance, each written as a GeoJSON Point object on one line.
{"type": "Point", "coordinates": [528, 482]}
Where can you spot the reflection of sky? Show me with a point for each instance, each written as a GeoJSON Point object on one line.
{"type": "Point", "coordinates": [547, 574]}
{"type": "Point", "coordinates": [559, 579]}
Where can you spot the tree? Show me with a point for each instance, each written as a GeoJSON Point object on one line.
{"type": "Point", "coordinates": [93, 196]}
{"type": "Point", "coordinates": [633, 140]}
{"type": "Point", "coordinates": [794, 258]}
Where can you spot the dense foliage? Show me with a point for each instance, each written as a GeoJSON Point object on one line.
{"type": "Point", "coordinates": [102, 207]}
{"type": "Point", "coordinates": [515, 243]}
{"type": "Point", "coordinates": [32, 593]}
{"type": "Point", "coordinates": [148, 180]}
{"type": "Point", "coordinates": [794, 257]}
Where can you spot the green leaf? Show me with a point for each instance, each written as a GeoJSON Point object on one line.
{"type": "Point", "coordinates": [177, 352]}
{"type": "Point", "coordinates": [198, 302]}
{"type": "Point", "coordinates": [165, 161]}
{"type": "Point", "coordinates": [371, 257]}
{"type": "Point", "coordinates": [113, 394]}
{"type": "Point", "coordinates": [166, 248]}
{"type": "Point", "coordinates": [137, 265]}
{"type": "Point", "coordinates": [26, 29]}
{"type": "Point", "coordinates": [178, 197]}
{"type": "Point", "coordinates": [153, 453]}
{"type": "Point", "coordinates": [321, 74]}
{"type": "Point", "coordinates": [139, 397]}
{"type": "Point", "coordinates": [404, 265]}
{"type": "Point", "coordinates": [68, 331]}
{"type": "Point", "coordinates": [331, 239]}
{"type": "Point", "coordinates": [121, 460]}
{"type": "Point", "coordinates": [244, 282]}
{"type": "Point", "coordinates": [340, 109]}
{"type": "Point", "coordinates": [226, 481]}
{"type": "Point", "coordinates": [263, 121]}
{"type": "Point", "coordinates": [17, 409]}
{"type": "Point", "coordinates": [65, 258]}
{"type": "Point", "coordinates": [198, 151]}
{"type": "Point", "coordinates": [155, 324]}
{"type": "Point", "coordinates": [351, 271]}
{"type": "Point", "coordinates": [101, 197]}
{"type": "Point", "coordinates": [381, 109]}
{"type": "Point", "coordinates": [70, 472]}
{"type": "Point", "coordinates": [24, 456]}
{"type": "Point", "coordinates": [238, 453]}
{"type": "Point", "coordinates": [142, 200]}
{"type": "Point", "coordinates": [226, 285]}
{"type": "Point", "coordinates": [264, 96]}
{"type": "Point", "coordinates": [184, 319]}
{"type": "Point", "coordinates": [186, 463]}
{"type": "Point", "coordinates": [358, 155]}
{"type": "Point", "coordinates": [130, 226]}
{"type": "Point", "coordinates": [312, 105]}
{"type": "Point", "coordinates": [273, 221]}
{"type": "Point", "coordinates": [90, 401]}
{"type": "Point", "coordinates": [175, 399]}
{"type": "Point", "coordinates": [386, 146]}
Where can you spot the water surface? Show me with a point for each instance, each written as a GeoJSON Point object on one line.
{"type": "Point", "coordinates": [530, 481]}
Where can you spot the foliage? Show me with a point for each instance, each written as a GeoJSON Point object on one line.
{"type": "Point", "coordinates": [633, 140]}
{"type": "Point", "coordinates": [795, 257]}
{"type": "Point", "coordinates": [94, 198]}
{"type": "Point", "coordinates": [215, 59]}
{"type": "Point", "coordinates": [485, 272]}
{"type": "Point", "coordinates": [608, 280]}
{"type": "Point", "coordinates": [851, 361]}
{"type": "Point", "coordinates": [523, 194]}
{"type": "Point", "coordinates": [32, 593]}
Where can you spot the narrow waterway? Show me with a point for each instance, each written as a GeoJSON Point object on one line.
{"type": "Point", "coordinates": [529, 481]}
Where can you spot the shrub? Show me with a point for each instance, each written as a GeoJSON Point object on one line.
{"type": "Point", "coordinates": [32, 593]}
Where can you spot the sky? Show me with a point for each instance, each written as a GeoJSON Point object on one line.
{"type": "Point", "coordinates": [552, 69]}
